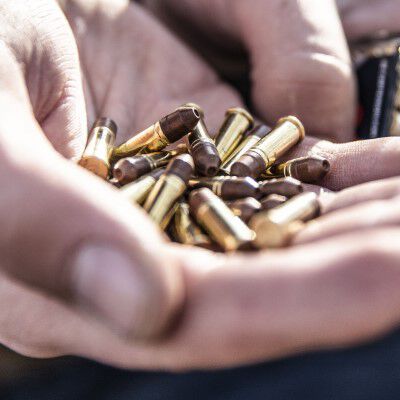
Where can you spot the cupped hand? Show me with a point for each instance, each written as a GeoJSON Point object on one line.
{"type": "Point", "coordinates": [299, 56]}
{"type": "Point", "coordinates": [72, 236]}
{"type": "Point", "coordinates": [64, 230]}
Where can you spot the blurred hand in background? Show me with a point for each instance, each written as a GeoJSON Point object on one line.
{"type": "Point", "coordinates": [299, 54]}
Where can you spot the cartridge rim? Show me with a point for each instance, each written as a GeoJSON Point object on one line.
{"type": "Point", "coordinates": [241, 111]}
{"type": "Point", "coordinates": [295, 121]}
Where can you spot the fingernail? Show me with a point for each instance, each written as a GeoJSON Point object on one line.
{"type": "Point", "coordinates": [109, 283]}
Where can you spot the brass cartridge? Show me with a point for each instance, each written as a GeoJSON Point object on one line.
{"type": "Point", "coordinates": [249, 141]}
{"type": "Point", "coordinates": [166, 221]}
{"type": "Point", "coordinates": [168, 130]}
{"type": "Point", "coordinates": [237, 122]}
{"type": "Point", "coordinates": [228, 230]}
{"type": "Point", "coordinates": [310, 169]}
{"type": "Point", "coordinates": [97, 155]}
{"type": "Point", "coordinates": [288, 132]}
{"type": "Point", "coordinates": [202, 148]}
{"type": "Point", "coordinates": [275, 228]}
{"type": "Point", "coordinates": [169, 187]}
{"type": "Point", "coordinates": [129, 169]}
{"type": "Point", "coordinates": [138, 191]}
{"type": "Point", "coordinates": [186, 231]}
{"type": "Point", "coordinates": [228, 187]}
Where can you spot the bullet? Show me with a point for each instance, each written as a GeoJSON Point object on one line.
{"type": "Point", "coordinates": [228, 187]}
{"type": "Point", "coordinates": [97, 155]}
{"type": "Point", "coordinates": [250, 140]}
{"type": "Point", "coordinates": [137, 192]}
{"type": "Point", "coordinates": [129, 169]}
{"type": "Point", "coordinates": [228, 230]}
{"type": "Point", "coordinates": [166, 221]}
{"type": "Point", "coordinates": [186, 231]}
{"type": "Point", "coordinates": [288, 132]}
{"type": "Point", "coordinates": [237, 122]}
{"type": "Point", "coordinates": [168, 130]}
{"type": "Point", "coordinates": [306, 169]}
{"type": "Point", "coordinates": [272, 201]}
{"type": "Point", "coordinates": [275, 228]}
{"type": "Point", "coordinates": [245, 208]}
{"type": "Point", "coordinates": [169, 187]}
{"type": "Point", "coordinates": [287, 187]}
{"type": "Point", "coordinates": [202, 148]}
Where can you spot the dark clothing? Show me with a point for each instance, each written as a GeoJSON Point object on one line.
{"type": "Point", "coordinates": [369, 372]}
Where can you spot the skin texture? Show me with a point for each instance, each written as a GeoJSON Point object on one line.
{"type": "Point", "coordinates": [298, 51]}
{"type": "Point", "coordinates": [70, 244]}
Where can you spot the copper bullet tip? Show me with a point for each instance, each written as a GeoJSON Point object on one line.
{"type": "Point", "coordinates": [311, 169]}
{"type": "Point", "coordinates": [247, 166]}
{"type": "Point", "coordinates": [179, 123]}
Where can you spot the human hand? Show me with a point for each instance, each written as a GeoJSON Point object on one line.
{"type": "Point", "coordinates": [299, 57]}
{"type": "Point", "coordinates": [337, 291]}
{"type": "Point", "coordinates": [220, 294]}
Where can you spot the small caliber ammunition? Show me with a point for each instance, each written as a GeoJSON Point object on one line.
{"type": "Point", "coordinates": [288, 132]}
{"type": "Point", "coordinates": [276, 227]}
{"type": "Point", "coordinates": [96, 157]}
{"type": "Point", "coordinates": [169, 187]}
{"type": "Point", "coordinates": [186, 231]}
{"type": "Point", "coordinates": [245, 208]}
{"type": "Point", "coordinates": [250, 140]}
{"type": "Point", "coordinates": [287, 187]}
{"type": "Point", "coordinates": [168, 130]}
{"type": "Point", "coordinates": [138, 191]}
{"type": "Point", "coordinates": [228, 187]}
{"type": "Point", "coordinates": [168, 217]}
{"type": "Point", "coordinates": [228, 230]}
{"type": "Point", "coordinates": [129, 169]}
{"type": "Point", "coordinates": [202, 148]}
{"type": "Point", "coordinates": [272, 201]}
{"type": "Point", "coordinates": [306, 169]}
{"type": "Point", "coordinates": [237, 122]}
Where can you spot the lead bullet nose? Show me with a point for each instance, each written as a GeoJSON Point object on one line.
{"type": "Point", "coordinates": [190, 117]}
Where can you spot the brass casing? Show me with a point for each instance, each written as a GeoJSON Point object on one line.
{"type": "Point", "coordinates": [277, 171]}
{"type": "Point", "coordinates": [186, 231]}
{"type": "Point", "coordinates": [96, 157]}
{"type": "Point", "coordinates": [200, 133]}
{"type": "Point", "coordinates": [137, 191]}
{"type": "Point", "coordinates": [237, 122]}
{"type": "Point", "coordinates": [243, 148]}
{"type": "Point", "coordinates": [228, 230]}
{"type": "Point", "coordinates": [163, 196]}
{"type": "Point", "coordinates": [214, 184]}
{"type": "Point", "coordinates": [276, 227]}
{"type": "Point", "coordinates": [288, 132]}
{"type": "Point", "coordinates": [161, 159]}
{"type": "Point", "coordinates": [150, 140]}
{"type": "Point", "coordinates": [168, 217]}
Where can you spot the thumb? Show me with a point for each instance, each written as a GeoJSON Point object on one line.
{"type": "Point", "coordinates": [68, 233]}
{"type": "Point", "coordinates": [300, 63]}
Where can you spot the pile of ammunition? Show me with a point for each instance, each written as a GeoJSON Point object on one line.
{"type": "Point", "coordinates": [228, 194]}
